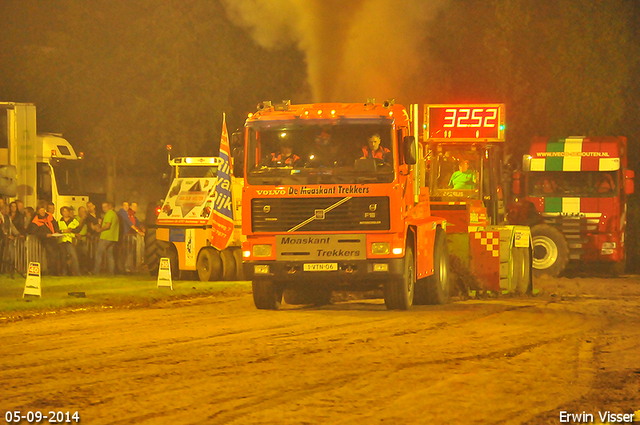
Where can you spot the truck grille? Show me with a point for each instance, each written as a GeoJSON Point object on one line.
{"type": "Point", "coordinates": [319, 214]}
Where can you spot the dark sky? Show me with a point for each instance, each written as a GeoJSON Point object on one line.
{"type": "Point", "coordinates": [123, 79]}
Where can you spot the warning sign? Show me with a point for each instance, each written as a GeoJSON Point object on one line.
{"type": "Point", "coordinates": [164, 274]}
{"type": "Point", "coordinates": [32, 284]}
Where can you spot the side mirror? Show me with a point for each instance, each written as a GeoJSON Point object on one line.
{"type": "Point", "coordinates": [238, 162]}
{"type": "Point", "coordinates": [628, 182]}
{"type": "Point", "coordinates": [409, 150]}
{"type": "Point", "coordinates": [8, 181]}
{"type": "Point", "coordinates": [237, 139]}
{"type": "Point", "coordinates": [516, 183]}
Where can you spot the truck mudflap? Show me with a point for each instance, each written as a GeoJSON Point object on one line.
{"type": "Point", "coordinates": [501, 258]}
{"type": "Point", "coordinates": [355, 273]}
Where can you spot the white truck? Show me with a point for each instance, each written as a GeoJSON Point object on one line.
{"type": "Point", "coordinates": [182, 231]}
{"type": "Point", "coordinates": [46, 164]}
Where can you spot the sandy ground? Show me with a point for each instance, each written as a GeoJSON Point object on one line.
{"type": "Point", "coordinates": [218, 360]}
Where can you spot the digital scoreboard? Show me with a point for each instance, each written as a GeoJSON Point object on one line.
{"type": "Point", "coordinates": [465, 123]}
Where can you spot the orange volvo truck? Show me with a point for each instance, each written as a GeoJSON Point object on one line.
{"type": "Point", "coordinates": [332, 202]}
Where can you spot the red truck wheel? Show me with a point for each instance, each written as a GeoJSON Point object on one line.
{"type": "Point", "coordinates": [267, 294]}
{"type": "Point", "coordinates": [550, 251]}
{"type": "Point", "coordinates": [398, 294]}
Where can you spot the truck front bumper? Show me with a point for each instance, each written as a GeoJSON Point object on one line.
{"type": "Point", "coordinates": [347, 273]}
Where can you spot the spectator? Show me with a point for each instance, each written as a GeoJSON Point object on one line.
{"type": "Point", "coordinates": [17, 217]}
{"type": "Point", "coordinates": [67, 224]}
{"type": "Point", "coordinates": [121, 249]}
{"type": "Point", "coordinates": [82, 233]}
{"type": "Point", "coordinates": [43, 226]}
{"type": "Point", "coordinates": [51, 208]}
{"type": "Point", "coordinates": [109, 231]}
{"type": "Point", "coordinates": [29, 213]}
{"type": "Point", "coordinates": [9, 233]}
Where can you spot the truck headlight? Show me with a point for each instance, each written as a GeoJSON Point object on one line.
{"type": "Point", "coordinates": [380, 248]}
{"type": "Point", "coordinates": [262, 250]}
{"type": "Point", "coordinates": [610, 245]}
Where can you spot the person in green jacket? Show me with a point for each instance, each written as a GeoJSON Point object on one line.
{"type": "Point", "coordinates": [109, 233]}
{"type": "Point", "coordinates": [463, 178]}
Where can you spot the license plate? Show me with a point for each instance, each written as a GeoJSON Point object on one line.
{"type": "Point", "coordinates": [320, 267]}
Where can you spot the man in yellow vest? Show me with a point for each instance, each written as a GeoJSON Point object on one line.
{"type": "Point", "coordinates": [67, 241]}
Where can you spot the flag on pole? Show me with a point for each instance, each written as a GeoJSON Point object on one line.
{"type": "Point", "coordinates": [222, 217]}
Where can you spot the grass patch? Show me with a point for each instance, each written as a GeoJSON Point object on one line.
{"type": "Point", "coordinates": [103, 291]}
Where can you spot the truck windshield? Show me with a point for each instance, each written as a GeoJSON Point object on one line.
{"type": "Point", "coordinates": [314, 154]}
{"type": "Point", "coordinates": [67, 176]}
{"type": "Point", "coordinates": [455, 172]}
{"type": "Point", "coordinates": [587, 184]}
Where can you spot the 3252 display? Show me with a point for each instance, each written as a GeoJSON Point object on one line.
{"type": "Point", "coordinates": [464, 122]}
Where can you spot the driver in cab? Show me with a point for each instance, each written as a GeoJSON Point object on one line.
{"type": "Point", "coordinates": [285, 158]}
{"type": "Point", "coordinates": [463, 178]}
{"type": "Point", "coordinates": [374, 150]}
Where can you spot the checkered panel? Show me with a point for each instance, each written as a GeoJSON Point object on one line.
{"type": "Point", "coordinates": [491, 241]}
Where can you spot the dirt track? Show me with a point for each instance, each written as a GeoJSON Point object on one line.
{"type": "Point", "coordinates": [218, 360]}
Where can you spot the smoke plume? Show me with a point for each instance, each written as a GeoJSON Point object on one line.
{"type": "Point", "coordinates": [354, 49]}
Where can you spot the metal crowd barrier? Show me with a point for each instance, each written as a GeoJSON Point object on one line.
{"type": "Point", "coordinates": [18, 253]}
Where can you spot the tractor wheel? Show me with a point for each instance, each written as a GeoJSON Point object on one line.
{"type": "Point", "coordinates": [267, 294]}
{"type": "Point", "coordinates": [550, 251]}
{"type": "Point", "coordinates": [228, 264]}
{"type": "Point", "coordinates": [436, 288]}
{"type": "Point", "coordinates": [153, 251]}
{"type": "Point", "coordinates": [209, 265]}
{"type": "Point", "coordinates": [521, 270]}
{"type": "Point", "coordinates": [398, 293]}
{"type": "Point", "coordinates": [172, 254]}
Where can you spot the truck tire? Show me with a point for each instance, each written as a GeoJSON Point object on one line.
{"type": "Point", "coordinates": [209, 265]}
{"type": "Point", "coordinates": [267, 294]}
{"type": "Point", "coordinates": [153, 251]}
{"type": "Point", "coordinates": [398, 293]}
{"type": "Point", "coordinates": [437, 287]}
{"type": "Point", "coordinates": [313, 295]}
{"type": "Point", "coordinates": [228, 264]}
{"type": "Point", "coordinates": [620, 267]}
{"type": "Point", "coordinates": [237, 254]}
{"type": "Point", "coordinates": [550, 251]}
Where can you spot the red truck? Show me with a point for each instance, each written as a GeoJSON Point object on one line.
{"type": "Point", "coordinates": [332, 201]}
{"type": "Point", "coordinates": [573, 193]}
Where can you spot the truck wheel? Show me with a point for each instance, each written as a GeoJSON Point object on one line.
{"type": "Point", "coordinates": [228, 264]}
{"type": "Point", "coordinates": [620, 267]}
{"type": "Point", "coordinates": [153, 251]}
{"type": "Point", "coordinates": [398, 294]}
{"type": "Point", "coordinates": [209, 265]}
{"type": "Point", "coordinates": [550, 250]}
{"type": "Point", "coordinates": [237, 254]}
{"type": "Point", "coordinates": [521, 270]}
{"type": "Point", "coordinates": [437, 287]}
{"type": "Point", "coordinates": [267, 294]}
{"type": "Point", "coordinates": [313, 295]}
